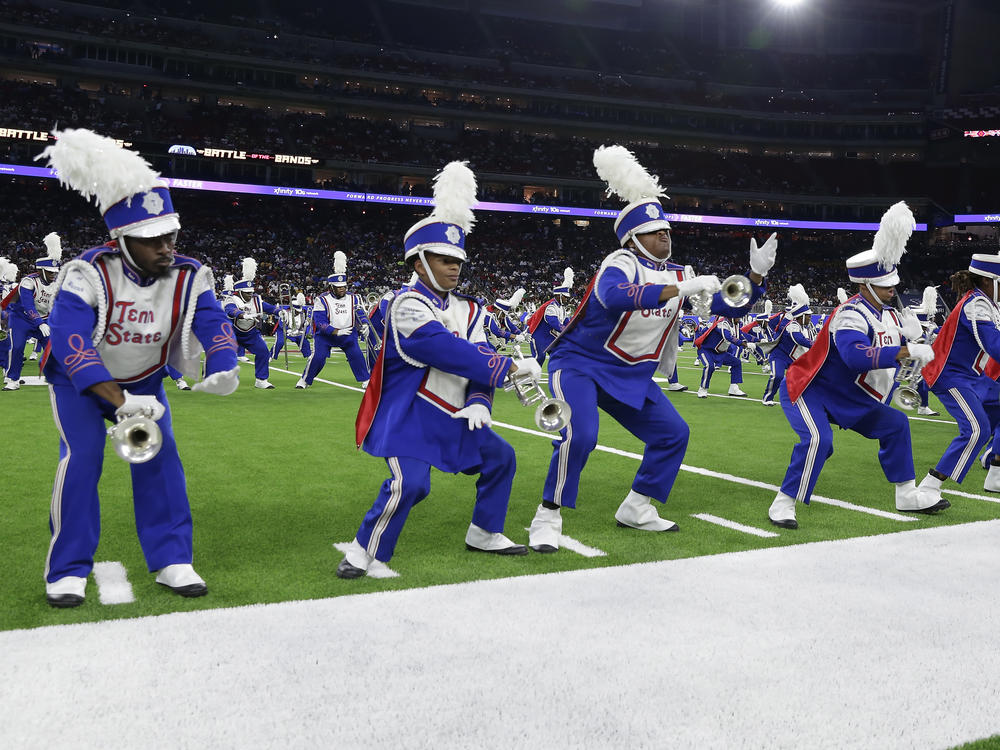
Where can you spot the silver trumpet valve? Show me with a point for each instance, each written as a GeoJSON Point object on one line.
{"type": "Point", "coordinates": [736, 291]}
{"type": "Point", "coordinates": [908, 376]}
{"type": "Point", "coordinates": [136, 439]}
{"type": "Point", "coordinates": [552, 414]}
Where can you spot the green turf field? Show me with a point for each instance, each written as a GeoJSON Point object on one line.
{"type": "Point", "coordinates": [275, 481]}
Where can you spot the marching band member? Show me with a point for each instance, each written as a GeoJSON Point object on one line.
{"type": "Point", "coordinates": [501, 324]}
{"type": "Point", "coordinates": [719, 345]}
{"type": "Point", "coordinates": [336, 318]}
{"type": "Point", "coordinates": [28, 308]}
{"type": "Point", "coordinates": [925, 312]}
{"type": "Point", "coordinates": [968, 340]}
{"type": "Point", "coordinates": [848, 375]}
{"type": "Point", "coordinates": [246, 308]}
{"type": "Point", "coordinates": [8, 285]}
{"type": "Point", "coordinates": [224, 299]}
{"type": "Point", "coordinates": [292, 326]}
{"type": "Point", "coordinates": [123, 311]}
{"type": "Point", "coordinates": [432, 389]}
{"type": "Point", "coordinates": [624, 329]}
{"type": "Point", "coordinates": [788, 331]}
{"type": "Point", "coordinates": [550, 318]}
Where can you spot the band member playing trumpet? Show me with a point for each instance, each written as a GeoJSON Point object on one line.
{"type": "Point", "coordinates": [123, 312]}
{"type": "Point", "coordinates": [788, 339]}
{"type": "Point", "coordinates": [624, 329]}
{"type": "Point", "coordinates": [719, 345]}
{"type": "Point", "coordinates": [848, 375]}
{"type": "Point", "coordinates": [247, 310]}
{"type": "Point", "coordinates": [431, 392]}
{"type": "Point", "coordinates": [969, 338]}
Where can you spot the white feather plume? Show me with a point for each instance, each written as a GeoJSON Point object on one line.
{"type": "Point", "coordinates": [8, 270]}
{"type": "Point", "coordinates": [97, 167]}
{"type": "Point", "coordinates": [339, 262]}
{"type": "Point", "coordinates": [768, 306]}
{"type": "Point", "coordinates": [626, 177]}
{"type": "Point", "coordinates": [227, 282]}
{"type": "Point", "coordinates": [413, 279]}
{"type": "Point", "coordinates": [841, 295]}
{"type": "Point", "coordinates": [53, 246]}
{"type": "Point", "coordinates": [894, 230]}
{"type": "Point", "coordinates": [300, 300]}
{"type": "Point", "coordinates": [249, 269]}
{"type": "Point", "coordinates": [568, 278]}
{"type": "Point", "coordinates": [929, 304]}
{"type": "Point", "coordinates": [455, 195]}
{"type": "Point", "coordinates": [797, 294]}
{"type": "Point", "coordinates": [515, 298]}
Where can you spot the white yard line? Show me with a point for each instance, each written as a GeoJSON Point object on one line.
{"type": "Point", "coordinates": [112, 583]}
{"type": "Point", "coordinates": [733, 525]}
{"type": "Point", "coordinates": [376, 569]}
{"type": "Point", "coordinates": [987, 498]}
{"type": "Point", "coordinates": [575, 545]}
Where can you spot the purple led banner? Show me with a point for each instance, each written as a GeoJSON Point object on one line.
{"type": "Point", "coordinates": [412, 200]}
{"type": "Point", "coordinates": [977, 218]}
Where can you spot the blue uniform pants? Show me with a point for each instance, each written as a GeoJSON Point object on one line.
{"type": "Point", "coordinates": [159, 492]}
{"type": "Point", "coordinates": [20, 332]}
{"type": "Point", "coordinates": [410, 482]}
{"type": "Point", "coordinates": [349, 345]}
{"type": "Point", "coordinates": [714, 360]}
{"type": "Point", "coordinates": [253, 342]}
{"type": "Point", "coordinates": [811, 422]}
{"type": "Point", "coordinates": [776, 378]}
{"type": "Point", "coordinates": [977, 417]}
{"type": "Point", "coordinates": [279, 341]}
{"type": "Point", "coordinates": [656, 423]}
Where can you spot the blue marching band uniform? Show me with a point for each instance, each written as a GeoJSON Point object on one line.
{"type": "Point", "coordinates": [119, 318]}
{"type": "Point", "coordinates": [623, 331]}
{"type": "Point", "coordinates": [502, 322]}
{"type": "Point", "coordinates": [247, 309]}
{"type": "Point", "coordinates": [788, 340]}
{"type": "Point", "coordinates": [848, 376]}
{"type": "Point", "coordinates": [337, 316]}
{"type": "Point", "coordinates": [551, 317]}
{"type": "Point", "coordinates": [293, 325]}
{"type": "Point", "coordinates": [429, 400]}
{"type": "Point", "coordinates": [718, 346]}
{"type": "Point", "coordinates": [28, 309]}
{"type": "Point", "coordinates": [8, 287]}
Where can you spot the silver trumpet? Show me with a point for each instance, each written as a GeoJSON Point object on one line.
{"type": "Point", "coordinates": [136, 439]}
{"type": "Point", "coordinates": [735, 291]}
{"type": "Point", "coordinates": [909, 377]}
{"type": "Point", "coordinates": [552, 414]}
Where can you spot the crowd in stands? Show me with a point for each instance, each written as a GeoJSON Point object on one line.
{"type": "Point", "coordinates": [294, 241]}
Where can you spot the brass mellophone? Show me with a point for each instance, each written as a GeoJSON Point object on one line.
{"type": "Point", "coordinates": [735, 291]}
{"type": "Point", "coordinates": [136, 439]}
{"type": "Point", "coordinates": [909, 377]}
{"type": "Point", "coordinates": [552, 414]}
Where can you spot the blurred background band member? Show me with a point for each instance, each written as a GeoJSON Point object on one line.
{"type": "Point", "coordinates": [718, 346]}
{"type": "Point", "coordinates": [28, 309]}
{"type": "Point", "coordinates": [790, 332]}
{"type": "Point", "coordinates": [625, 329]}
{"type": "Point", "coordinates": [551, 317]}
{"type": "Point", "coordinates": [247, 309]}
{"type": "Point", "coordinates": [959, 376]}
{"type": "Point", "coordinates": [848, 376]}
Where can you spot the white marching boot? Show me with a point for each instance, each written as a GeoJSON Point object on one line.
{"type": "Point", "coordinates": [68, 591]}
{"type": "Point", "coordinates": [735, 390]}
{"type": "Point", "coordinates": [545, 529]}
{"type": "Point", "coordinates": [703, 393]}
{"type": "Point", "coordinates": [480, 540]}
{"type": "Point", "coordinates": [356, 561]}
{"type": "Point", "coordinates": [637, 512]}
{"type": "Point", "coordinates": [264, 384]}
{"type": "Point", "coordinates": [992, 483]}
{"type": "Point", "coordinates": [923, 499]}
{"type": "Point", "coordinates": [181, 579]}
{"type": "Point", "coordinates": [782, 512]}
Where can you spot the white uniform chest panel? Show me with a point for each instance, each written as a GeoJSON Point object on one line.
{"type": "Point", "coordinates": [640, 335]}
{"type": "Point", "coordinates": [140, 321]}
{"type": "Point", "coordinates": [44, 294]}
{"type": "Point", "coordinates": [446, 390]}
{"type": "Point", "coordinates": [340, 311]}
{"type": "Point", "coordinates": [884, 332]}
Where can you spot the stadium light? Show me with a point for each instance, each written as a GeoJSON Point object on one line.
{"type": "Point", "coordinates": [788, 3]}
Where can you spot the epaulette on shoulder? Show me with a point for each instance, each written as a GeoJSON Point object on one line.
{"type": "Point", "coordinates": [671, 266]}
{"type": "Point", "coordinates": [89, 256]}
{"type": "Point", "coordinates": [184, 260]}
{"type": "Point", "coordinates": [466, 297]}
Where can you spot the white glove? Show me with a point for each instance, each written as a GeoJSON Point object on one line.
{"type": "Point", "coordinates": [477, 414]}
{"type": "Point", "coordinates": [923, 353]}
{"type": "Point", "coordinates": [751, 346]}
{"type": "Point", "coordinates": [698, 284]}
{"type": "Point", "coordinates": [250, 315]}
{"type": "Point", "coordinates": [148, 406]}
{"type": "Point", "coordinates": [762, 258]}
{"type": "Point", "coordinates": [910, 326]}
{"type": "Point", "coordinates": [220, 383]}
{"type": "Point", "coordinates": [45, 330]}
{"type": "Point", "coordinates": [522, 337]}
{"type": "Point", "coordinates": [528, 368]}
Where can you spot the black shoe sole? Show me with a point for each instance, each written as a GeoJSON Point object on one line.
{"type": "Point", "coordinates": [786, 524]}
{"type": "Point", "coordinates": [64, 601]}
{"type": "Point", "coordinates": [545, 549]}
{"type": "Point", "coordinates": [943, 505]}
{"type": "Point", "coordinates": [517, 549]}
{"type": "Point", "coordinates": [675, 527]}
{"type": "Point", "coordinates": [347, 571]}
{"type": "Point", "coordinates": [190, 591]}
